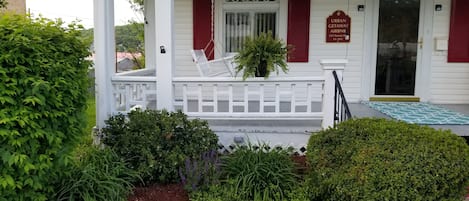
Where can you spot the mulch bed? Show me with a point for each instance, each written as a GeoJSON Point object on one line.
{"type": "Point", "coordinates": [170, 192]}
{"type": "Point", "coordinates": [300, 164]}
{"type": "Point", "coordinates": [176, 192]}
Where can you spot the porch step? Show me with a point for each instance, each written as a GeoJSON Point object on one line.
{"type": "Point", "coordinates": [395, 98]}
{"type": "Point", "coordinates": [265, 126]}
{"type": "Point", "coordinates": [275, 133]}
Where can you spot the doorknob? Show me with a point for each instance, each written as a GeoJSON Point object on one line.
{"type": "Point", "coordinates": [420, 43]}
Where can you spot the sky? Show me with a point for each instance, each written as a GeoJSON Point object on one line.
{"type": "Point", "coordinates": [72, 10]}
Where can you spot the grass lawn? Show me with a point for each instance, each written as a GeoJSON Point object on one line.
{"type": "Point", "coordinates": [90, 118]}
{"type": "Point", "coordinates": [90, 114]}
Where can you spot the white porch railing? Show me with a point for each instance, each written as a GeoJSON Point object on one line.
{"type": "Point", "coordinates": [132, 91]}
{"type": "Point", "coordinates": [225, 98]}
{"type": "Point", "coordinates": [139, 72]}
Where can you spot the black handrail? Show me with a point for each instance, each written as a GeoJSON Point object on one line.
{"type": "Point", "coordinates": [341, 108]}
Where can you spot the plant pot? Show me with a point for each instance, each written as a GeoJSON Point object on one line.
{"type": "Point", "coordinates": [261, 69]}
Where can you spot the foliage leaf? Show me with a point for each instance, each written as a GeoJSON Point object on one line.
{"type": "Point", "coordinates": [174, 138]}
{"type": "Point", "coordinates": [379, 159]}
{"type": "Point", "coordinates": [260, 54]}
{"type": "Point", "coordinates": [42, 99]}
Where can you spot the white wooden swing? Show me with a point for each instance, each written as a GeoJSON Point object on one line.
{"type": "Point", "coordinates": [222, 67]}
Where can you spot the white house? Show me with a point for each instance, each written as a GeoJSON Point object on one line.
{"type": "Point", "coordinates": [391, 49]}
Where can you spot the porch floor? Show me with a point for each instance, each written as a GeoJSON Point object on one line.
{"type": "Point", "coordinates": [296, 133]}
{"type": "Point", "coordinates": [361, 110]}
{"type": "Point", "coordinates": [305, 127]}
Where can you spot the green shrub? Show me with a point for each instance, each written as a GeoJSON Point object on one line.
{"type": "Point", "coordinates": [228, 192]}
{"type": "Point", "coordinates": [260, 173]}
{"type": "Point", "coordinates": [300, 193]}
{"type": "Point", "coordinates": [156, 143]}
{"type": "Point", "coordinates": [378, 159]}
{"type": "Point", "coordinates": [43, 92]}
{"type": "Point", "coordinates": [218, 192]}
{"type": "Point", "coordinates": [99, 174]}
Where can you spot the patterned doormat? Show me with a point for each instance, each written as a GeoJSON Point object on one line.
{"type": "Point", "coordinates": [420, 113]}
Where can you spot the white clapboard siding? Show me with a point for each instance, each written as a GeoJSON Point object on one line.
{"type": "Point", "coordinates": [449, 81]}
{"type": "Point", "coordinates": [320, 9]}
{"type": "Point", "coordinates": [183, 38]}
{"type": "Point", "coordinates": [352, 51]}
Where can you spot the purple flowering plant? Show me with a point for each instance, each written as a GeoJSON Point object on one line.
{"type": "Point", "coordinates": [200, 172]}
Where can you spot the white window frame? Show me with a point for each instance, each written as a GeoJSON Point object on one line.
{"type": "Point", "coordinates": [221, 7]}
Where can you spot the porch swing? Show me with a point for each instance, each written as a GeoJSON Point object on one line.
{"type": "Point", "coordinates": [222, 67]}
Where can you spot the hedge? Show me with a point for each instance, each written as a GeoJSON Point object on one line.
{"type": "Point", "coordinates": [378, 159]}
{"type": "Point", "coordinates": [43, 92]}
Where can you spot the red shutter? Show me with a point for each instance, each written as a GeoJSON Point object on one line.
{"type": "Point", "coordinates": [202, 17]}
{"type": "Point", "coordinates": [298, 29]}
{"type": "Point", "coordinates": [458, 42]}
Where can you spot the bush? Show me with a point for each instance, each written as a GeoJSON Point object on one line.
{"type": "Point", "coordinates": [218, 192]}
{"type": "Point", "coordinates": [99, 174]}
{"type": "Point", "coordinates": [300, 193]}
{"type": "Point", "coordinates": [43, 92]}
{"type": "Point", "coordinates": [260, 173]}
{"type": "Point", "coordinates": [378, 159]}
{"type": "Point", "coordinates": [156, 143]}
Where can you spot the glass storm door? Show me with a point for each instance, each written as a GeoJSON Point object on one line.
{"type": "Point", "coordinates": [398, 35]}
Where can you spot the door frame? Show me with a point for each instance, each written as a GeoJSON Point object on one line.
{"type": "Point", "coordinates": [423, 62]}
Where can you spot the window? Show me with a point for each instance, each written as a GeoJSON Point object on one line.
{"type": "Point", "coordinates": [248, 18]}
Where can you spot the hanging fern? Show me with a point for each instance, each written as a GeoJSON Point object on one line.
{"type": "Point", "coordinates": [262, 55]}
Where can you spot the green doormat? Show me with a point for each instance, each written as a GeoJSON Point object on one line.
{"type": "Point", "coordinates": [420, 113]}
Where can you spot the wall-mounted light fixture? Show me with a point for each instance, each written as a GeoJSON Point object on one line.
{"type": "Point", "coordinates": [438, 7]}
{"type": "Point", "coordinates": [361, 8]}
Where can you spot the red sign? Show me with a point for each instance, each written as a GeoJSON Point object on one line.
{"type": "Point", "coordinates": [338, 28]}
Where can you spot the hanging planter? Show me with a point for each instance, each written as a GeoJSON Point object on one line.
{"type": "Point", "coordinates": [262, 55]}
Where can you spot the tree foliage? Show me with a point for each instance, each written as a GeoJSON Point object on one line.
{"type": "Point", "coordinates": [3, 3]}
{"type": "Point", "coordinates": [137, 5]}
{"type": "Point", "coordinates": [43, 91]}
{"type": "Point", "coordinates": [129, 38]}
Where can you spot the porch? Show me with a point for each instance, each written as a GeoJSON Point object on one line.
{"type": "Point", "coordinates": [255, 109]}
{"type": "Point", "coordinates": [292, 104]}
{"type": "Point", "coordinates": [283, 111]}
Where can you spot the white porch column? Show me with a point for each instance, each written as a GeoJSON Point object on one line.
{"type": "Point", "coordinates": [164, 18]}
{"type": "Point", "coordinates": [150, 43]}
{"type": "Point", "coordinates": [105, 58]}
{"type": "Point", "coordinates": [330, 65]}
